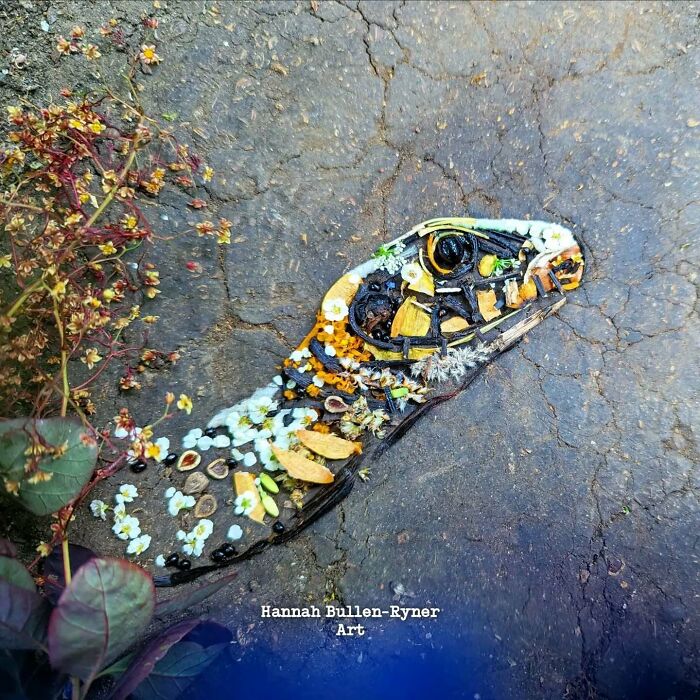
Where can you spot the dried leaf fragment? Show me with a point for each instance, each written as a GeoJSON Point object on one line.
{"type": "Point", "coordinates": [245, 482]}
{"type": "Point", "coordinates": [301, 468]}
{"type": "Point", "coordinates": [410, 320]}
{"type": "Point", "coordinates": [486, 299]}
{"type": "Point", "coordinates": [328, 445]}
{"type": "Point", "coordinates": [454, 325]}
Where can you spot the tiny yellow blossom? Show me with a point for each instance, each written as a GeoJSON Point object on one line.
{"type": "Point", "coordinates": [44, 549]}
{"type": "Point", "coordinates": [91, 357]}
{"type": "Point", "coordinates": [148, 54]}
{"type": "Point", "coordinates": [76, 124]}
{"type": "Point", "coordinates": [208, 174]}
{"type": "Point", "coordinates": [91, 52]}
{"type": "Point", "coordinates": [73, 218]}
{"type": "Point", "coordinates": [107, 248]}
{"type": "Point", "coordinates": [169, 398]}
{"type": "Point", "coordinates": [184, 403]}
{"type": "Point", "coordinates": [150, 319]}
{"type": "Point", "coordinates": [5, 261]}
{"type": "Point", "coordinates": [63, 46]}
{"type": "Point", "coordinates": [108, 294]}
{"type": "Point", "coordinates": [58, 290]}
{"type": "Point", "coordinates": [96, 127]}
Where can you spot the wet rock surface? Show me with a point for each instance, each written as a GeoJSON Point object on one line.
{"type": "Point", "coordinates": [551, 510]}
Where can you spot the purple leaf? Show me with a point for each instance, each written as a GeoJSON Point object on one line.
{"type": "Point", "coordinates": [148, 657]}
{"type": "Point", "coordinates": [191, 597]}
{"type": "Point", "coordinates": [7, 548]}
{"type": "Point", "coordinates": [23, 617]}
{"type": "Point", "coordinates": [53, 568]}
{"type": "Point", "coordinates": [99, 615]}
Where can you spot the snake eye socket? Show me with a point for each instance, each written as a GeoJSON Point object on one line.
{"type": "Point", "coordinates": [449, 251]}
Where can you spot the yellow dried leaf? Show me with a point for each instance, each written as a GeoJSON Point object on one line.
{"type": "Point", "coordinates": [486, 299]}
{"type": "Point", "coordinates": [328, 445]}
{"type": "Point", "coordinates": [486, 265]}
{"type": "Point", "coordinates": [244, 481]}
{"type": "Point", "coordinates": [425, 284]}
{"type": "Point", "coordinates": [413, 353]}
{"type": "Point", "coordinates": [454, 325]}
{"type": "Point", "coordinates": [528, 291]}
{"type": "Point", "coordinates": [410, 320]}
{"type": "Point", "coordinates": [344, 288]}
{"type": "Point", "coordinates": [513, 300]}
{"type": "Point", "coordinates": [299, 467]}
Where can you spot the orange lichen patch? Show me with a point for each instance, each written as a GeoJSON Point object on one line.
{"type": "Point", "coordinates": [321, 428]}
{"type": "Point", "coordinates": [410, 320]}
{"type": "Point", "coordinates": [327, 445]}
{"type": "Point", "coordinates": [299, 467]}
{"type": "Point", "coordinates": [245, 481]}
{"type": "Point", "coordinates": [454, 325]}
{"type": "Point", "coordinates": [344, 288]}
{"type": "Point", "coordinates": [528, 291]}
{"type": "Point", "coordinates": [289, 394]}
{"type": "Point", "coordinates": [486, 299]}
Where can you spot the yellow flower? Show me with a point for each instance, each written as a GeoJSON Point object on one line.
{"type": "Point", "coordinates": [169, 398]}
{"type": "Point", "coordinates": [150, 319]}
{"type": "Point", "coordinates": [129, 222]}
{"type": "Point", "coordinates": [44, 549]}
{"type": "Point", "coordinates": [184, 403]}
{"type": "Point", "coordinates": [96, 127]}
{"type": "Point", "coordinates": [13, 112]}
{"type": "Point", "coordinates": [148, 54]}
{"type": "Point", "coordinates": [107, 248]}
{"type": "Point", "coordinates": [108, 294]}
{"type": "Point", "coordinates": [76, 124]}
{"type": "Point", "coordinates": [152, 450]}
{"type": "Point", "coordinates": [208, 174]}
{"type": "Point", "coordinates": [16, 224]}
{"type": "Point", "coordinates": [91, 52]}
{"type": "Point", "coordinates": [91, 357]}
{"type": "Point", "coordinates": [59, 289]}
{"type": "Point", "coordinates": [73, 219]}
{"type": "Point", "coordinates": [77, 32]}
{"type": "Point", "coordinates": [224, 236]}
{"type": "Point", "coordinates": [12, 487]}
{"type": "Point", "coordinates": [63, 46]}
{"type": "Point", "coordinates": [5, 261]}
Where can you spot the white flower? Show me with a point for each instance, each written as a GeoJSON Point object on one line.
{"type": "Point", "coordinates": [317, 381]}
{"type": "Point", "coordinates": [556, 238]}
{"type": "Point", "coordinates": [268, 459]}
{"type": "Point", "coordinates": [190, 440]}
{"type": "Point", "coordinates": [128, 492]}
{"type": "Point", "coordinates": [249, 459]}
{"type": "Point", "coordinates": [178, 502]}
{"type": "Point", "coordinates": [334, 309]}
{"type": "Point", "coordinates": [260, 408]}
{"type": "Point", "coordinates": [139, 544]}
{"type": "Point", "coordinates": [119, 512]}
{"type": "Point", "coordinates": [192, 545]}
{"type": "Point", "coordinates": [245, 503]}
{"type": "Point", "coordinates": [411, 272]}
{"type": "Point", "coordinates": [235, 532]}
{"type": "Point", "coordinates": [221, 441]}
{"type": "Point", "coordinates": [300, 355]}
{"type": "Point", "coordinates": [170, 492]}
{"type": "Point", "coordinates": [330, 350]}
{"type": "Point", "coordinates": [243, 435]}
{"type": "Point", "coordinates": [236, 454]}
{"type": "Point", "coordinates": [99, 509]}
{"type": "Point", "coordinates": [305, 416]}
{"type": "Point", "coordinates": [277, 379]}
{"type": "Point", "coordinates": [120, 432]}
{"type": "Point", "coordinates": [203, 529]}
{"type": "Point", "coordinates": [163, 445]}
{"type": "Point", "coordinates": [127, 528]}
{"type": "Point", "coordinates": [160, 560]}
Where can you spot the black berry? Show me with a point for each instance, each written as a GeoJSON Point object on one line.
{"type": "Point", "coordinates": [173, 559]}
{"type": "Point", "coordinates": [217, 555]}
{"type": "Point", "coordinates": [138, 466]}
{"type": "Point", "coordinates": [278, 527]}
{"type": "Point", "coordinates": [170, 459]}
{"type": "Point", "coordinates": [210, 432]}
{"type": "Point", "coordinates": [228, 549]}
{"type": "Point", "coordinates": [231, 463]}
{"type": "Point", "coordinates": [184, 565]}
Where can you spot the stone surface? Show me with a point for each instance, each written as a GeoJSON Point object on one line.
{"type": "Point", "coordinates": [552, 509]}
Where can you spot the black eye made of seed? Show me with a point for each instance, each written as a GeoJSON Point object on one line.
{"type": "Point", "coordinates": [138, 466]}
{"type": "Point", "coordinates": [228, 549]}
{"type": "Point", "coordinates": [449, 251]}
{"type": "Point", "coordinates": [184, 565]}
{"type": "Point", "coordinates": [278, 527]}
{"type": "Point", "coordinates": [217, 555]}
{"type": "Point", "coordinates": [172, 559]}
{"type": "Point", "coordinates": [170, 459]}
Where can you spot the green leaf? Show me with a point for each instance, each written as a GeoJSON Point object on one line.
{"type": "Point", "coordinates": [102, 612]}
{"type": "Point", "coordinates": [13, 572]}
{"type": "Point", "coordinates": [71, 470]}
{"type": "Point", "coordinates": [173, 674]}
{"type": "Point", "coordinates": [169, 116]}
{"type": "Point", "coordinates": [23, 617]}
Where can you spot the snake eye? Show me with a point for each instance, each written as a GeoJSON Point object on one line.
{"type": "Point", "coordinates": [449, 251]}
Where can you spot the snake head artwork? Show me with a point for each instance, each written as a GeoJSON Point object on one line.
{"type": "Point", "coordinates": [408, 328]}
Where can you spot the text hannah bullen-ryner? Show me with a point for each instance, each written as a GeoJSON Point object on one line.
{"type": "Point", "coordinates": [349, 612]}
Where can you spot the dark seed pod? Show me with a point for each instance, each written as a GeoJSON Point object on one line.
{"type": "Point", "coordinates": [210, 432]}
{"type": "Point", "coordinates": [170, 459]}
{"type": "Point", "coordinates": [231, 463]}
{"type": "Point", "coordinates": [173, 559]}
{"type": "Point", "coordinates": [449, 251]}
{"type": "Point", "coordinates": [217, 555]}
{"type": "Point", "coordinates": [184, 565]}
{"type": "Point", "coordinates": [138, 466]}
{"type": "Point", "coordinates": [228, 549]}
{"type": "Point", "coordinates": [278, 527]}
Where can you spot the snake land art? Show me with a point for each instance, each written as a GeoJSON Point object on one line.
{"type": "Point", "coordinates": [407, 329]}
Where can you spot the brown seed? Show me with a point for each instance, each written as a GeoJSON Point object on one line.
{"type": "Point", "coordinates": [196, 482]}
{"type": "Point", "coordinates": [206, 506]}
{"type": "Point", "coordinates": [217, 469]}
{"type": "Point", "coordinates": [189, 460]}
